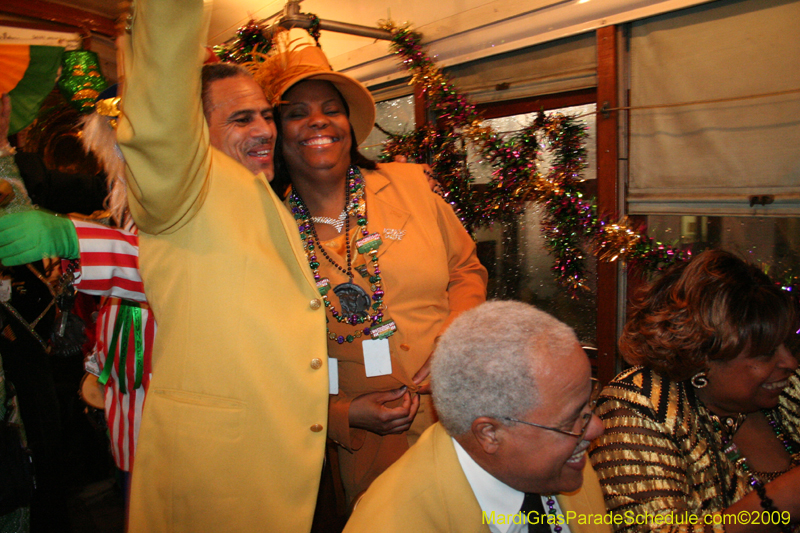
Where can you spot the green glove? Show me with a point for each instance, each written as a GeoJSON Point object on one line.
{"type": "Point", "coordinates": [29, 236]}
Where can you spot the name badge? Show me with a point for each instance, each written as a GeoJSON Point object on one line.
{"type": "Point", "coordinates": [369, 243]}
{"type": "Point", "coordinates": [323, 286]}
{"type": "Point", "coordinates": [333, 375]}
{"type": "Point", "coordinates": [377, 361]}
{"type": "Point", "coordinates": [384, 331]}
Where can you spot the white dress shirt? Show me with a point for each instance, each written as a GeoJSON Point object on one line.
{"type": "Point", "coordinates": [495, 496]}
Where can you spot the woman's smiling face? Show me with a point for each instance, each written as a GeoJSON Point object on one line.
{"type": "Point", "coordinates": [315, 129]}
{"type": "Point", "coordinates": [748, 382]}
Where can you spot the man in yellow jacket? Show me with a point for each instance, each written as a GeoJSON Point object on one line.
{"type": "Point", "coordinates": [234, 426]}
{"type": "Point", "coordinates": [514, 396]}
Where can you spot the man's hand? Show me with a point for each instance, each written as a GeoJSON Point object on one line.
{"type": "Point", "coordinates": [32, 235]}
{"type": "Point", "coordinates": [369, 411]}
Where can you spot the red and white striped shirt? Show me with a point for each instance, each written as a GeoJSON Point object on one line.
{"type": "Point", "coordinates": [109, 267]}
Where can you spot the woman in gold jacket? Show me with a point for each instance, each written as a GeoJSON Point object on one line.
{"type": "Point", "coordinates": [393, 263]}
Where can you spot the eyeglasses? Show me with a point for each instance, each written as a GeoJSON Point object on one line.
{"type": "Point", "coordinates": [587, 417]}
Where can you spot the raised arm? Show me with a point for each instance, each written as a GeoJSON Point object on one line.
{"type": "Point", "coordinates": [162, 131]}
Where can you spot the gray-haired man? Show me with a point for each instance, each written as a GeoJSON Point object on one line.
{"type": "Point", "coordinates": [513, 389]}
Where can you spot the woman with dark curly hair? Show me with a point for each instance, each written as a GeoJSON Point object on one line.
{"type": "Point", "coordinates": [707, 424]}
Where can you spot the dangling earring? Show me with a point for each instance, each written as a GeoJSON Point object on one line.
{"type": "Point", "coordinates": [699, 380]}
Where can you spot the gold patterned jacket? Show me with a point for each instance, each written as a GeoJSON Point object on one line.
{"type": "Point", "coordinates": [660, 453]}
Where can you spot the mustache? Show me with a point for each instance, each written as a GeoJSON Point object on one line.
{"type": "Point", "coordinates": [261, 141]}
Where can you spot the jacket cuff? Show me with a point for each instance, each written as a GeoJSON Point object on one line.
{"type": "Point", "coordinates": [339, 430]}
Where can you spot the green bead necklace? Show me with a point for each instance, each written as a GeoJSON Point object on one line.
{"type": "Point", "coordinates": [367, 310]}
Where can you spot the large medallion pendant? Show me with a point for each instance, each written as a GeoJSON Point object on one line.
{"type": "Point", "coordinates": [354, 300]}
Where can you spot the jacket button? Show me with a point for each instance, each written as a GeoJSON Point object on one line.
{"type": "Point", "coordinates": [316, 428]}
{"type": "Point", "coordinates": [405, 347]}
{"type": "Point", "coordinates": [316, 363]}
{"type": "Point", "coordinates": [316, 303]}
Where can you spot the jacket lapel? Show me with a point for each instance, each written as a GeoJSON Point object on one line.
{"type": "Point", "coordinates": [290, 230]}
{"type": "Point", "coordinates": [460, 508]}
{"type": "Point", "coordinates": [382, 215]}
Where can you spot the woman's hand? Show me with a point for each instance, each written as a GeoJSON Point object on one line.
{"type": "Point", "coordinates": [422, 376]}
{"type": "Point", "coordinates": [370, 412]}
{"type": "Point", "coordinates": [783, 493]}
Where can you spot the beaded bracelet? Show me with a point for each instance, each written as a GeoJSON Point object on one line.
{"type": "Point", "coordinates": [766, 504]}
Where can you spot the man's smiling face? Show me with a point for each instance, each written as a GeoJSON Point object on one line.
{"type": "Point", "coordinates": [241, 124]}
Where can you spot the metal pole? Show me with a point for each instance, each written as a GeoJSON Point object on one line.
{"type": "Point", "coordinates": [355, 29]}
{"type": "Point", "coordinates": [302, 20]}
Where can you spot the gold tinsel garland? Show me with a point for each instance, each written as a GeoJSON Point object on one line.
{"type": "Point", "coordinates": [570, 223]}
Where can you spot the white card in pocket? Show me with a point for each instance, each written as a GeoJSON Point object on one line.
{"type": "Point", "coordinates": [333, 376]}
{"type": "Point", "coordinates": [377, 361]}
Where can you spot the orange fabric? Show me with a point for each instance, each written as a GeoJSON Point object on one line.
{"type": "Point", "coordinates": [14, 61]}
{"type": "Point", "coordinates": [431, 273]}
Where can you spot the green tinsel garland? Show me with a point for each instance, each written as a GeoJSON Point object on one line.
{"type": "Point", "coordinates": [571, 223]}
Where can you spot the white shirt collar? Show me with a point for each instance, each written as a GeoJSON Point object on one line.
{"type": "Point", "coordinates": [491, 493]}
{"type": "Point", "coordinates": [494, 495]}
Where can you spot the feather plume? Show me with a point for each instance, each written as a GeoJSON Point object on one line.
{"type": "Point", "coordinates": [272, 71]}
{"type": "Point", "coordinates": [100, 139]}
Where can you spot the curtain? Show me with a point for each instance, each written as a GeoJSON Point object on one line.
{"type": "Point", "coordinates": [714, 158]}
{"type": "Point", "coordinates": [564, 65]}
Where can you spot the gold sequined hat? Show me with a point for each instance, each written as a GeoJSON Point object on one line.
{"type": "Point", "coordinates": [298, 61]}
